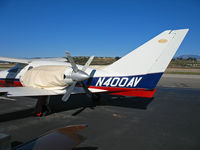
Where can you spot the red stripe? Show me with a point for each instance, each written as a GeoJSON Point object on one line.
{"type": "Point", "coordinates": [4, 83]}
{"type": "Point", "coordinates": [127, 91]}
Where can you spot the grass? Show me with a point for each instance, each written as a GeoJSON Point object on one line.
{"type": "Point", "coordinates": [184, 63]}
{"type": "Point", "coordinates": [177, 66]}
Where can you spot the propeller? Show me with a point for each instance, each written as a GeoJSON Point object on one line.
{"type": "Point", "coordinates": [77, 76]}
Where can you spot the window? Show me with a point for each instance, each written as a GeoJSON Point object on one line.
{"type": "Point", "coordinates": [17, 68]}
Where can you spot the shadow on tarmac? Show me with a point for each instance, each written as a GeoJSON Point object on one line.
{"type": "Point", "coordinates": [85, 148]}
{"type": "Point", "coordinates": [16, 115]}
{"type": "Point", "coordinates": [81, 101]}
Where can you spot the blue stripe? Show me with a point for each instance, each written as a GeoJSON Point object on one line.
{"type": "Point", "coordinates": [148, 81]}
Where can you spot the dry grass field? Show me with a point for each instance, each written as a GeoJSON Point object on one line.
{"type": "Point", "coordinates": [6, 66]}
{"type": "Point", "coordinates": [172, 68]}
{"type": "Point", "coordinates": [189, 71]}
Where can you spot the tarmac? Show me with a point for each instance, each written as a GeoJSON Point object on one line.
{"type": "Point", "coordinates": [168, 121]}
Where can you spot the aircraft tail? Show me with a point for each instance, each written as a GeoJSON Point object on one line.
{"type": "Point", "coordinates": [152, 57]}
{"type": "Point", "coordinates": [138, 73]}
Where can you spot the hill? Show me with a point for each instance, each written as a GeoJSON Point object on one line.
{"type": "Point", "coordinates": [189, 56]}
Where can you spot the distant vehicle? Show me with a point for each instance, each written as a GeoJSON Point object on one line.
{"type": "Point", "coordinates": [135, 74]}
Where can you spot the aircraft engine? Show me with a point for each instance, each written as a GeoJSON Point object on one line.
{"type": "Point", "coordinates": [57, 77]}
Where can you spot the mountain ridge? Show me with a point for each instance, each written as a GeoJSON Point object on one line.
{"type": "Point", "coordinates": [189, 56]}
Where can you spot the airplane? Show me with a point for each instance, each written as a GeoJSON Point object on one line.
{"type": "Point", "coordinates": [136, 74]}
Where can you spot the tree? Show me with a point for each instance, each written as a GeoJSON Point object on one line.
{"type": "Point", "coordinates": [117, 58]}
{"type": "Point", "coordinates": [191, 58]}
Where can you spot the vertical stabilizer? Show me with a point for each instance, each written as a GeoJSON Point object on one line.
{"type": "Point", "coordinates": [152, 57]}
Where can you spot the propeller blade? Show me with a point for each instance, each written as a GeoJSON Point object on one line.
{"type": "Point", "coordinates": [69, 57]}
{"type": "Point", "coordinates": [86, 89]}
{"type": "Point", "coordinates": [77, 75]}
{"type": "Point", "coordinates": [88, 63]}
{"type": "Point", "coordinates": [69, 91]}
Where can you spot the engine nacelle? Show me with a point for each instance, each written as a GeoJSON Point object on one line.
{"type": "Point", "coordinates": [48, 77]}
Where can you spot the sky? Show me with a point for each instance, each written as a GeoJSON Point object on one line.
{"type": "Point", "coordinates": [47, 28]}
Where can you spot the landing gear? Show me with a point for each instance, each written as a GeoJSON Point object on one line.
{"type": "Point", "coordinates": [42, 106]}
{"type": "Point", "coordinates": [96, 99]}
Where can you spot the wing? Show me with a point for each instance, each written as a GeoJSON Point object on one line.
{"type": "Point", "coordinates": [62, 139]}
{"type": "Point", "coordinates": [27, 61]}
{"type": "Point", "coordinates": [30, 91]}
{"type": "Point", "coordinates": [15, 60]}
{"type": "Point", "coordinates": [60, 59]}
{"type": "Point", "coordinates": [27, 91]}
